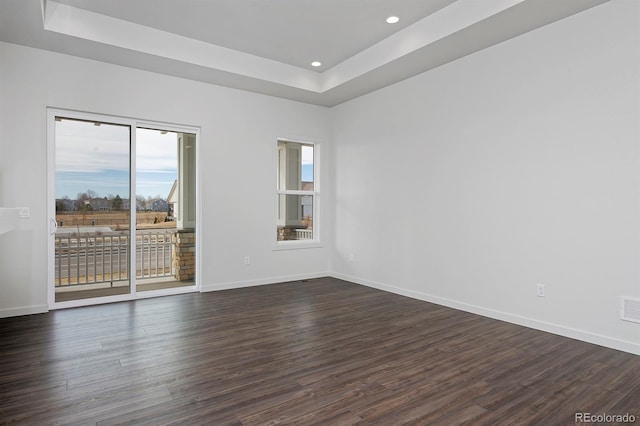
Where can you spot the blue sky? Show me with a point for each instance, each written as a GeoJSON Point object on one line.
{"type": "Point", "coordinates": [307, 172]}
{"type": "Point", "coordinates": [96, 158]}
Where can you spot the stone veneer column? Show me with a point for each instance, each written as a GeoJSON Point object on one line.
{"type": "Point", "coordinates": [184, 254]}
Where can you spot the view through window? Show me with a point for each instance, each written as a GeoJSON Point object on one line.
{"type": "Point", "coordinates": [297, 191]}
{"type": "Point", "coordinates": [94, 205]}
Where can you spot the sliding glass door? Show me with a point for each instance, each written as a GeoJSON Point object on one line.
{"type": "Point", "coordinates": [123, 209]}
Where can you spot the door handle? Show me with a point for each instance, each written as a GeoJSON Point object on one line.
{"type": "Point", "coordinates": [53, 226]}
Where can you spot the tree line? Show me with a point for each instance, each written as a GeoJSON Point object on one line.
{"type": "Point", "coordinates": [116, 202]}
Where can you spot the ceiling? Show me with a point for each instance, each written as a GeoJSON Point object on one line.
{"type": "Point", "coordinates": [326, 30]}
{"type": "Point", "coordinates": [267, 46]}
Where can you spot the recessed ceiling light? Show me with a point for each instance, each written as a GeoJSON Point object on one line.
{"type": "Point", "coordinates": [316, 64]}
{"type": "Point", "coordinates": [392, 19]}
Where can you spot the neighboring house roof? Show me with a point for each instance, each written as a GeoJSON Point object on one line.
{"type": "Point", "coordinates": [173, 194]}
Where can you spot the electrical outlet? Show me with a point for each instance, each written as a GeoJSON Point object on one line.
{"type": "Point", "coordinates": [540, 290]}
{"type": "Point", "coordinates": [247, 260]}
{"type": "Point", "coordinates": [25, 212]}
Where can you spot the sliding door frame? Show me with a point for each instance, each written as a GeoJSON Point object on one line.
{"type": "Point", "coordinates": [133, 124]}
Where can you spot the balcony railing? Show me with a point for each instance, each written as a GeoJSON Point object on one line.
{"type": "Point", "coordinates": [304, 234]}
{"type": "Point", "coordinates": [103, 257]}
{"type": "Point", "coordinates": [154, 254]}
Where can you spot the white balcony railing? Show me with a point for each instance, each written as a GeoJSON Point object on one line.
{"type": "Point", "coordinates": [103, 257]}
{"type": "Point", "coordinates": [304, 234]}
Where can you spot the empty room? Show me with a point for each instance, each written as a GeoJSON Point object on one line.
{"type": "Point", "coordinates": [319, 212]}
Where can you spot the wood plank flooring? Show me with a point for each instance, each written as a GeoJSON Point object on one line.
{"type": "Point", "coordinates": [322, 351]}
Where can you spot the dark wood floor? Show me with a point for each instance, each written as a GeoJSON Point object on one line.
{"type": "Point", "coordinates": [323, 351]}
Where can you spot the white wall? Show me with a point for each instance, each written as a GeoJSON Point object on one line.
{"type": "Point", "coordinates": [518, 165]}
{"type": "Point", "coordinates": [466, 185]}
{"type": "Point", "coordinates": [238, 138]}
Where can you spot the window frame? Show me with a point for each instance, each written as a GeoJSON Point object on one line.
{"type": "Point", "coordinates": [315, 194]}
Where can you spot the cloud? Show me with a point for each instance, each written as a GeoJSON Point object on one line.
{"type": "Point", "coordinates": [84, 147]}
{"type": "Point", "coordinates": [97, 158]}
{"type": "Point", "coordinates": [307, 154]}
{"type": "Point", "coordinates": [156, 151]}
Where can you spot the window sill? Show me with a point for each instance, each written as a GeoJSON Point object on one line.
{"type": "Point", "coordinates": [294, 245]}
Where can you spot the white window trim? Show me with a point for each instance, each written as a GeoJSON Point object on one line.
{"type": "Point", "coordinates": [316, 242]}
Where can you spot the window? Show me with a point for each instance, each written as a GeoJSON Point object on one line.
{"type": "Point", "coordinates": [297, 193]}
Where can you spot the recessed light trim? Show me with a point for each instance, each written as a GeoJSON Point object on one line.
{"type": "Point", "coordinates": [392, 20]}
{"type": "Point", "coordinates": [316, 64]}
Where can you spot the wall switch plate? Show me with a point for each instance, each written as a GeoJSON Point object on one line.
{"type": "Point", "coordinates": [247, 260]}
{"type": "Point", "coordinates": [25, 212]}
{"type": "Point", "coordinates": [540, 290]}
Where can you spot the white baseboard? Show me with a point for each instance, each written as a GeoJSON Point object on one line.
{"type": "Point", "coordinates": [24, 310]}
{"type": "Point", "coordinates": [265, 281]}
{"type": "Point", "coordinates": [585, 336]}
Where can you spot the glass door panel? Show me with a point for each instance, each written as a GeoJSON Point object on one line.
{"type": "Point", "coordinates": [165, 209]}
{"type": "Point", "coordinates": [92, 206]}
